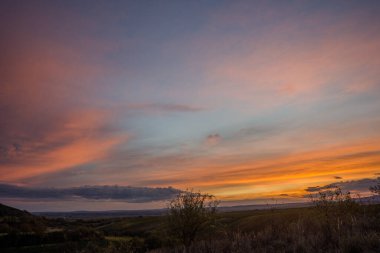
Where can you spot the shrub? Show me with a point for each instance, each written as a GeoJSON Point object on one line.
{"type": "Point", "coordinates": [190, 213]}
{"type": "Point", "coordinates": [376, 188]}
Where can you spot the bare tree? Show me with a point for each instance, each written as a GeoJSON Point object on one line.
{"type": "Point", "coordinates": [191, 213]}
{"type": "Point", "coordinates": [376, 188]}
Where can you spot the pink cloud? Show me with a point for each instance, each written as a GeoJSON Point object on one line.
{"type": "Point", "coordinates": [82, 138]}
{"type": "Point", "coordinates": [287, 62]}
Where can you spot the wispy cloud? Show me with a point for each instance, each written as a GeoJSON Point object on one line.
{"type": "Point", "coordinates": [81, 137]}
{"type": "Point", "coordinates": [289, 57]}
{"type": "Point", "coordinates": [161, 107]}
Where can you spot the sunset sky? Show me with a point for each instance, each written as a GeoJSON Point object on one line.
{"type": "Point", "coordinates": [253, 101]}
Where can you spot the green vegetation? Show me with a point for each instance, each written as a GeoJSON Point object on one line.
{"type": "Point", "coordinates": [336, 223]}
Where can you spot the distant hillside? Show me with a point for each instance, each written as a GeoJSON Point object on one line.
{"type": "Point", "coordinates": [163, 211]}
{"type": "Point", "coordinates": [155, 212]}
{"type": "Point", "coordinates": [11, 211]}
{"type": "Point", "coordinates": [102, 214]}
{"type": "Point", "coordinates": [13, 220]}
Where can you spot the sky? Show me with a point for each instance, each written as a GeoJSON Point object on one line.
{"type": "Point", "coordinates": [111, 105]}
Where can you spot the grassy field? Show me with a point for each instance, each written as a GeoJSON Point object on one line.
{"type": "Point", "coordinates": [276, 230]}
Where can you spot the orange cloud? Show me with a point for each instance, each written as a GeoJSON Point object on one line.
{"type": "Point", "coordinates": [267, 177]}
{"type": "Point", "coordinates": [80, 140]}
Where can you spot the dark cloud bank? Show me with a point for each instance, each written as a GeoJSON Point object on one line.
{"type": "Point", "coordinates": [354, 185]}
{"type": "Point", "coordinates": [106, 192]}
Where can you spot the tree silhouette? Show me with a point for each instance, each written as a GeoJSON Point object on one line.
{"type": "Point", "coordinates": [190, 213]}
{"type": "Point", "coordinates": [376, 188]}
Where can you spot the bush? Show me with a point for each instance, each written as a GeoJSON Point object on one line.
{"type": "Point", "coordinates": [191, 213]}
{"type": "Point", "coordinates": [376, 188]}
